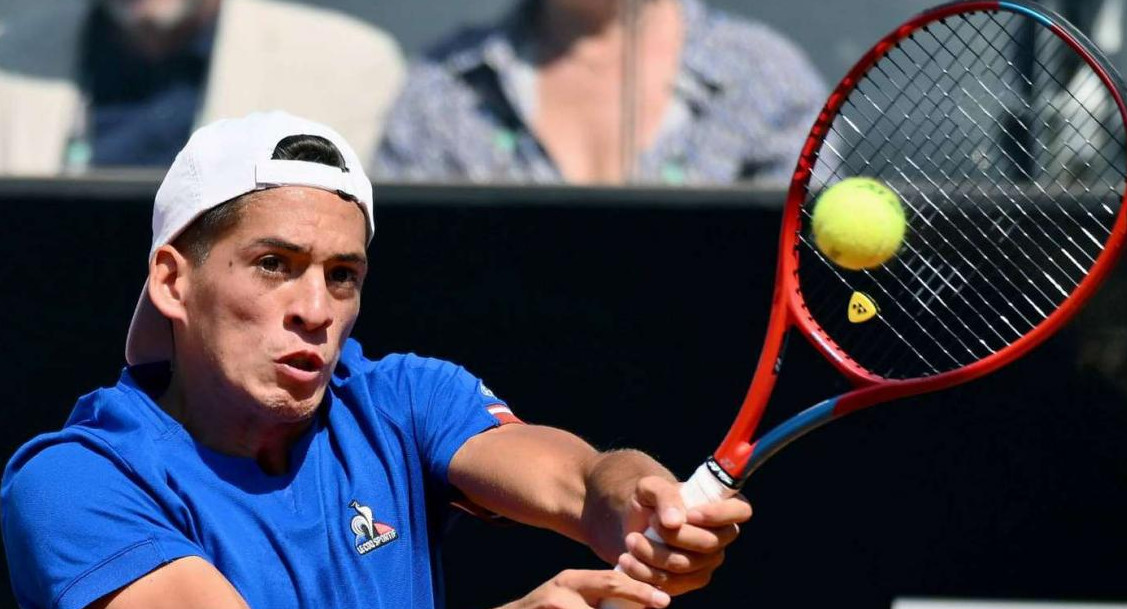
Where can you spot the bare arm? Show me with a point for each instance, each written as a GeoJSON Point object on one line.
{"type": "Point", "coordinates": [550, 478]}
{"type": "Point", "coordinates": [185, 583]}
{"type": "Point", "coordinates": [574, 589]}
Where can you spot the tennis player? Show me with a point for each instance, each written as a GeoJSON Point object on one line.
{"type": "Point", "coordinates": [251, 455]}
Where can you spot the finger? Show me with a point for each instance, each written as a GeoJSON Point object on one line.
{"type": "Point", "coordinates": [698, 539]}
{"type": "Point", "coordinates": [638, 570]}
{"type": "Point", "coordinates": [664, 497]}
{"type": "Point", "coordinates": [729, 511]}
{"type": "Point", "coordinates": [594, 586]}
{"type": "Point", "coordinates": [669, 559]}
{"type": "Point", "coordinates": [672, 583]}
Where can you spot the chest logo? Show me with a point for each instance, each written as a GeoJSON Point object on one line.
{"type": "Point", "coordinates": [369, 534]}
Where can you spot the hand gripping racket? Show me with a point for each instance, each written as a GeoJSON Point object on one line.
{"type": "Point", "coordinates": [1001, 129]}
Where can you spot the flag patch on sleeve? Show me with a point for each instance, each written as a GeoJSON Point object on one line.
{"type": "Point", "coordinates": [502, 413]}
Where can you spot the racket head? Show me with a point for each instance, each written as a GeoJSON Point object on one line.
{"type": "Point", "coordinates": [1013, 181]}
{"type": "Point", "coordinates": [1001, 128]}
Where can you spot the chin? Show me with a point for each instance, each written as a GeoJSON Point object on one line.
{"type": "Point", "coordinates": [285, 407]}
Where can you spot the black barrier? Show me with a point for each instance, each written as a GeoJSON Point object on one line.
{"type": "Point", "coordinates": [633, 318]}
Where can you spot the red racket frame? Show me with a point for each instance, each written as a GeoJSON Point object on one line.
{"type": "Point", "coordinates": [734, 455]}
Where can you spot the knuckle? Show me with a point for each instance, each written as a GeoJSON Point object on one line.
{"type": "Point", "coordinates": [746, 511]}
{"type": "Point", "coordinates": [641, 572]}
{"type": "Point", "coordinates": [631, 570]}
{"type": "Point", "coordinates": [679, 563]}
{"type": "Point", "coordinates": [615, 587]}
{"type": "Point", "coordinates": [565, 578]}
{"type": "Point", "coordinates": [716, 540]}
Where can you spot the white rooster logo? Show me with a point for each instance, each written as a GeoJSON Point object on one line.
{"type": "Point", "coordinates": [362, 523]}
{"type": "Point", "coordinates": [368, 533]}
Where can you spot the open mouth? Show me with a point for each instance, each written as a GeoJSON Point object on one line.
{"type": "Point", "coordinates": [306, 362]}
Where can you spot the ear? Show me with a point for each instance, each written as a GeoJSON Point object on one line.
{"type": "Point", "coordinates": [168, 282]}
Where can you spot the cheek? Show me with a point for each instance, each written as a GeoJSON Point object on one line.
{"type": "Point", "coordinates": [346, 315]}
{"type": "Point", "coordinates": [231, 308]}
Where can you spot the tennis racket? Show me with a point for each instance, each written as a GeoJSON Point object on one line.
{"type": "Point", "coordinates": [1001, 129]}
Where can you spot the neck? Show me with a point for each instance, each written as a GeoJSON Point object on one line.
{"type": "Point", "coordinates": [229, 425]}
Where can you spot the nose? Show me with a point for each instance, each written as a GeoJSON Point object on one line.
{"type": "Point", "coordinates": [309, 308]}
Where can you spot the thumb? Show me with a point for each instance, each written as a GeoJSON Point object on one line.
{"type": "Point", "coordinates": [664, 498]}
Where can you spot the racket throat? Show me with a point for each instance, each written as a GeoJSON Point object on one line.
{"type": "Point", "coordinates": [730, 462]}
{"type": "Point", "coordinates": [721, 475]}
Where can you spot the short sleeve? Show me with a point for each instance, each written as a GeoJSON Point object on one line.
{"type": "Point", "coordinates": [77, 526]}
{"type": "Point", "coordinates": [451, 406]}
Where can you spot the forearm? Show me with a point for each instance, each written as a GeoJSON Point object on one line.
{"type": "Point", "coordinates": [528, 473]}
{"type": "Point", "coordinates": [550, 478]}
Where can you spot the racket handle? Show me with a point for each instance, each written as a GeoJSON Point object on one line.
{"type": "Point", "coordinates": [701, 488]}
{"type": "Point", "coordinates": [704, 487]}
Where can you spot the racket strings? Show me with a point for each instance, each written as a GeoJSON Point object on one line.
{"type": "Point", "coordinates": [947, 176]}
{"type": "Point", "coordinates": [890, 328]}
{"type": "Point", "coordinates": [934, 293]}
{"type": "Point", "coordinates": [979, 103]}
{"type": "Point", "coordinates": [946, 282]}
{"type": "Point", "coordinates": [994, 222]}
{"type": "Point", "coordinates": [1089, 79]}
{"type": "Point", "coordinates": [909, 137]}
{"type": "Point", "coordinates": [1082, 85]}
{"type": "Point", "coordinates": [1008, 134]}
{"type": "Point", "coordinates": [927, 218]}
{"type": "Point", "coordinates": [1011, 177]}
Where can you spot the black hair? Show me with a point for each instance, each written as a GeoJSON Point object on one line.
{"type": "Point", "coordinates": [196, 240]}
{"type": "Point", "coordinates": [311, 148]}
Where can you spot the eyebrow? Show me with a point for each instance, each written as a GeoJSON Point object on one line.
{"type": "Point", "coordinates": [282, 244]}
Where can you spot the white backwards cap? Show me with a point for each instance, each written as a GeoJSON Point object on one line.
{"type": "Point", "coordinates": [222, 161]}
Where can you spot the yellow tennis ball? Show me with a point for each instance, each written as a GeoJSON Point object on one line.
{"type": "Point", "coordinates": [858, 223]}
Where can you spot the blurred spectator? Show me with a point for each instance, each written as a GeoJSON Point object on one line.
{"type": "Point", "coordinates": [538, 98]}
{"type": "Point", "coordinates": [111, 83]}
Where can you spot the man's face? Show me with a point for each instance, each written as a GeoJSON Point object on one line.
{"type": "Point", "coordinates": [591, 8]}
{"type": "Point", "coordinates": [269, 308]}
{"type": "Point", "coordinates": [155, 15]}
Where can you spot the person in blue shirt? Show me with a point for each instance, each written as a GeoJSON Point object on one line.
{"type": "Point", "coordinates": [252, 456]}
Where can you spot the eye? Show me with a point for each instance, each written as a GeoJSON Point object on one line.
{"type": "Point", "coordinates": [344, 275]}
{"type": "Point", "coordinates": [271, 264]}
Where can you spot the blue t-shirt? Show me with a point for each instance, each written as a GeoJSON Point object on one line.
{"type": "Point", "coordinates": [123, 489]}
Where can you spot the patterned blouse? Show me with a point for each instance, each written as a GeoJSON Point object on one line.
{"type": "Point", "coordinates": [743, 102]}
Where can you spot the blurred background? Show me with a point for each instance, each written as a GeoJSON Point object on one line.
{"type": "Point", "coordinates": [839, 31]}
{"type": "Point", "coordinates": [603, 260]}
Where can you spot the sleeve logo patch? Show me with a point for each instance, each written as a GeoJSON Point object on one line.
{"type": "Point", "coordinates": [499, 409]}
{"type": "Point", "coordinates": [486, 391]}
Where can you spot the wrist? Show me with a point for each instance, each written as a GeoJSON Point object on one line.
{"type": "Point", "coordinates": [609, 506]}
